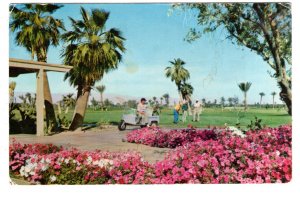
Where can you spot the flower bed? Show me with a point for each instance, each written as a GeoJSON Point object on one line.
{"type": "Point", "coordinates": [262, 156]}
{"type": "Point", "coordinates": [157, 137]}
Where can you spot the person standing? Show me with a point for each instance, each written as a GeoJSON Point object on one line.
{"type": "Point", "coordinates": [184, 110]}
{"type": "Point", "coordinates": [197, 110]}
{"type": "Point", "coordinates": [176, 112]}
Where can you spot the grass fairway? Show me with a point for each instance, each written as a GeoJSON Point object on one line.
{"type": "Point", "coordinates": [209, 117]}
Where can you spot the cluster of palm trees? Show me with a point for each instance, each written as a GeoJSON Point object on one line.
{"type": "Point", "coordinates": [89, 48]}
{"type": "Point", "coordinates": [262, 94]}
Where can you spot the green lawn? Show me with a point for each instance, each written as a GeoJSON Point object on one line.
{"type": "Point", "coordinates": [209, 117]}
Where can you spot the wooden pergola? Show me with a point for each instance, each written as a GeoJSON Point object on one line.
{"type": "Point", "coordinates": [19, 66]}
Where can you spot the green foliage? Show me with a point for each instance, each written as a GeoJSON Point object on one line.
{"type": "Point", "coordinates": [36, 29]}
{"type": "Point", "coordinates": [177, 72]}
{"type": "Point", "coordinates": [264, 28]}
{"type": "Point", "coordinates": [256, 124]}
{"type": "Point", "coordinates": [63, 122]}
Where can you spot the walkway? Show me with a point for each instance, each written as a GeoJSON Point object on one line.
{"type": "Point", "coordinates": [109, 139]}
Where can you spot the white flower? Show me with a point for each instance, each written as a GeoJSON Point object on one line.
{"type": "Point", "coordinates": [48, 160]}
{"type": "Point", "coordinates": [44, 167]}
{"type": "Point", "coordinates": [277, 153]}
{"type": "Point", "coordinates": [22, 171]}
{"type": "Point", "coordinates": [67, 161]}
{"type": "Point", "coordinates": [89, 160]}
{"type": "Point", "coordinates": [52, 178]}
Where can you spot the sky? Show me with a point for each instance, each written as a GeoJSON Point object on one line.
{"type": "Point", "coordinates": [154, 36]}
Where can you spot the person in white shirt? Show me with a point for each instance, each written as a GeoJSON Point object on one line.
{"type": "Point", "coordinates": [197, 110]}
{"type": "Point", "coordinates": [141, 111]}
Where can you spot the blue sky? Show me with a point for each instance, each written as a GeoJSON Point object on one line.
{"type": "Point", "coordinates": [153, 38]}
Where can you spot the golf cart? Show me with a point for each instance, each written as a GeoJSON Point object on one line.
{"type": "Point", "coordinates": [130, 118]}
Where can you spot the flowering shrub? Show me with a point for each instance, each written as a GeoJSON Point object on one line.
{"type": "Point", "coordinates": [262, 156]}
{"type": "Point", "coordinates": [62, 166]}
{"type": "Point", "coordinates": [168, 139]}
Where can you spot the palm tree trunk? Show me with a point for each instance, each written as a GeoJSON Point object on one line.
{"type": "Point", "coordinates": [80, 108]}
{"type": "Point", "coordinates": [50, 114]}
{"type": "Point", "coordinates": [245, 95]}
{"type": "Point", "coordinates": [273, 102]}
{"type": "Point", "coordinates": [260, 101]}
{"type": "Point", "coordinates": [101, 94]}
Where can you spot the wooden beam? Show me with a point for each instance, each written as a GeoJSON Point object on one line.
{"type": "Point", "coordinates": [34, 65]}
{"type": "Point", "coordinates": [40, 103]}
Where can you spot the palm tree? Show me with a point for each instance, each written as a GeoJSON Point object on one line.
{"type": "Point", "coordinates": [230, 100]}
{"type": "Point", "coordinates": [36, 30]}
{"type": "Point", "coordinates": [261, 95]}
{"type": "Point", "coordinates": [92, 51]}
{"type": "Point", "coordinates": [101, 89]}
{"type": "Point", "coordinates": [273, 94]}
{"type": "Point", "coordinates": [12, 87]}
{"type": "Point", "coordinates": [161, 100]}
{"type": "Point", "coordinates": [166, 97]}
{"type": "Point", "coordinates": [222, 101]}
{"type": "Point", "coordinates": [186, 91]}
{"type": "Point", "coordinates": [244, 88]}
{"type": "Point", "coordinates": [177, 73]}
{"type": "Point", "coordinates": [69, 101]}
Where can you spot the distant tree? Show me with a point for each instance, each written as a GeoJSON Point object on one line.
{"type": "Point", "coordinates": [222, 101]}
{"type": "Point", "coordinates": [235, 101]}
{"type": "Point", "coordinates": [108, 103]}
{"type": "Point", "coordinates": [215, 102]}
{"type": "Point", "coordinates": [154, 99]}
{"type": "Point", "coordinates": [131, 103]}
{"type": "Point", "coordinates": [68, 101]}
{"type": "Point", "coordinates": [94, 103]}
{"type": "Point", "coordinates": [203, 101]}
{"type": "Point", "coordinates": [261, 96]}
{"type": "Point", "coordinates": [244, 87]}
{"type": "Point", "coordinates": [161, 100]}
{"type": "Point", "coordinates": [273, 95]}
{"type": "Point", "coordinates": [166, 97]}
{"type": "Point", "coordinates": [101, 89]}
{"type": "Point", "coordinates": [230, 100]}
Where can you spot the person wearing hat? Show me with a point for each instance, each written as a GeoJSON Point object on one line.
{"type": "Point", "coordinates": [141, 111]}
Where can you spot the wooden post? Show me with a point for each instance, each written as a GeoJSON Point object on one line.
{"type": "Point", "coordinates": [40, 103]}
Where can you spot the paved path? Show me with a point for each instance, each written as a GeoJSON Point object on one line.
{"type": "Point", "coordinates": [109, 139]}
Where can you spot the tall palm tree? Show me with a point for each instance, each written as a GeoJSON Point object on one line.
{"type": "Point", "coordinates": [166, 97]}
{"type": "Point", "coordinates": [273, 95]}
{"type": "Point", "coordinates": [101, 89]}
{"type": "Point", "coordinates": [36, 30]}
{"type": "Point", "coordinates": [245, 86]}
{"type": "Point", "coordinates": [186, 91]}
{"type": "Point", "coordinates": [177, 73]}
{"type": "Point", "coordinates": [261, 94]}
{"type": "Point", "coordinates": [92, 51]}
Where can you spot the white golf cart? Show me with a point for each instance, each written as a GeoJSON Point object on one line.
{"type": "Point", "coordinates": [130, 118]}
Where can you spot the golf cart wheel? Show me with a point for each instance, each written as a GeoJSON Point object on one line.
{"type": "Point", "coordinates": [154, 124]}
{"type": "Point", "coordinates": [142, 126]}
{"type": "Point", "coordinates": [122, 125]}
